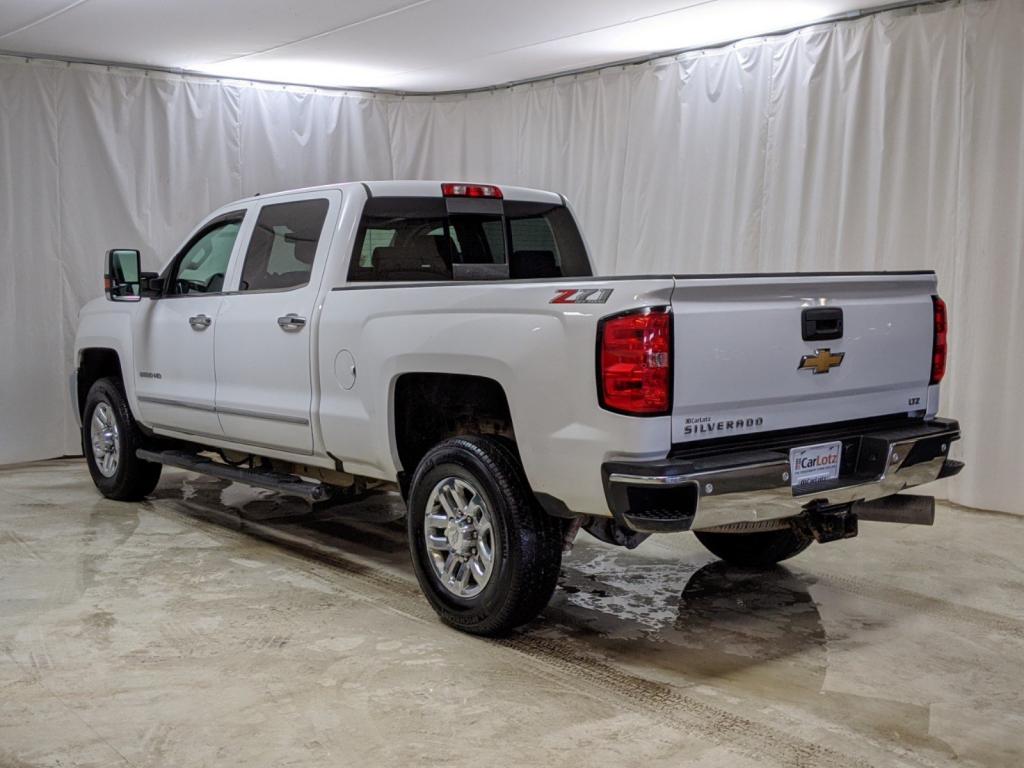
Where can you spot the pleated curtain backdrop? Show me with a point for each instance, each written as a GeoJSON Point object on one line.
{"type": "Point", "coordinates": [894, 141]}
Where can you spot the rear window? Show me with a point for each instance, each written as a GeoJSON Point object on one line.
{"type": "Point", "coordinates": [418, 238]}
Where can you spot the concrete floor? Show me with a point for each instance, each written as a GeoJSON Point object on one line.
{"type": "Point", "coordinates": [217, 625]}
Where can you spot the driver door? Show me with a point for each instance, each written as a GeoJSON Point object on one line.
{"type": "Point", "coordinates": [174, 338]}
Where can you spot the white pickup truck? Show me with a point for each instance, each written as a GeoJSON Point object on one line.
{"type": "Point", "coordinates": [450, 340]}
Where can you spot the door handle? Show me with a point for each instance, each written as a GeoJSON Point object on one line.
{"type": "Point", "coordinates": [199, 322]}
{"type": "Point", "coordinates": [291, 322]}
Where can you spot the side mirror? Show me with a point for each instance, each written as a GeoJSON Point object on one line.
{"type": "Point", "coordinates": [122, 280]}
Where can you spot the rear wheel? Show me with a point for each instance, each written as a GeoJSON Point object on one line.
{"type": "Point", "coordinates": [110, 438]}
{"type": "Point", "coordinates": [485, 554]}
{"type": "Point", "coordinates": [760, 549]}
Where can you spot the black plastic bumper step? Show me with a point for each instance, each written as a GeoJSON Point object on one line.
{"type": "Point", "coordinates": [260, 478]}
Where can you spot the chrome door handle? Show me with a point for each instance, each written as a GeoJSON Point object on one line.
{"type": "Point", "coordinates": [291, 322]}
{"type": "Point", "coordinates": [199, 322]}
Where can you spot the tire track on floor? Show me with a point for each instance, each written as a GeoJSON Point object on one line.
{"type": "Point", "coordinates": [9, 537]}
{"type": "Point", "coordinates": [649, 698]}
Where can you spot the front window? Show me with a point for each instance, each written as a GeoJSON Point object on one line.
{"type": "Point", "coordinates": [202, 267]}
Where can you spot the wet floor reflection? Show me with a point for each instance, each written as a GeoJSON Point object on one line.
{"type": "Point", "coordinates": [902, 645]}
{"type": "Point", "coordinates": [683, 620]}
{"type": "Point", "coordinates": [720, 618]}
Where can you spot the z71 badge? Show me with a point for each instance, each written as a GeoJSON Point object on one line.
{"type": "Point", "coordinates": [582, 296]}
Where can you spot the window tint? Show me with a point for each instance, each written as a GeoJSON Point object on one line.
{"type": "Point", "coordinates": [410, 238]}
{"type": "Point", "coordinates": [403, 238]}
{"type": "Point", "coordinates": [375, 238]}
{"type": "Point", "coordinates": [545, 242]}
{"type": "Point", "coordinates": [283, 245]}
{"type": "Point", "coordinates": [201, 269]}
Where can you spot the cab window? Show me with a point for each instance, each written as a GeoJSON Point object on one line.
{"type": "Point", "coordinates": [283, 245]}
{"type": "Point", "coordinates": [201, 268]}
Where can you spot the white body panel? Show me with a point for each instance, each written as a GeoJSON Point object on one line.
{"type": "Point", "coordinates": [736, 354]}
{"type": "Point", "coordinates": [541, 354]}
{"type": "Point", "coordinates": [738, 347]}
{"type": "Point", "coordinates": [263, 370]}
{"type": "Point", "coordinates": [166, 345]}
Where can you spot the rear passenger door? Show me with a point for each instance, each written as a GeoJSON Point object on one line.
{"type": "Point", "coordinates": [265, 327]}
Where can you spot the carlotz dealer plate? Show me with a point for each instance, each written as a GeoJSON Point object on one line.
{"type": "Point", "coordinates": [813, 465]}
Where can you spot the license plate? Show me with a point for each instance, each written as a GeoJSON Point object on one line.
{"type": "Point", "coordinates": [814, 465]}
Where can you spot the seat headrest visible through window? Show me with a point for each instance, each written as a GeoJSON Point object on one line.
{"type": "Point", "coordinates": [305, 250]}
{"type": "Point", "coordinates": [419, 261]}
{"type": "Point", "coordinates": [533, 264]}
{"type": "Point", "coordinates": [445, 247]}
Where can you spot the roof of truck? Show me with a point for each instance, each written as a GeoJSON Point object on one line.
{"type": "Point", "coordinates": [417, 188]}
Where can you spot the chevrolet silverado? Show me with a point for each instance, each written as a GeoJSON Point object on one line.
{"type": "Point", "coordinates": [450, 341]}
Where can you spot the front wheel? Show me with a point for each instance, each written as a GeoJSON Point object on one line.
{"type": "Point", "coordinates": [110, 438]}
{"type": "Point", "coordinates": [485, 554]}
{"type": "Point", "coordinates": [760, 549]}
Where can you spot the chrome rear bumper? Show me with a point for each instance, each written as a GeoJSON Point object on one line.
{"type": "Point", "coordinates": [751, 486]}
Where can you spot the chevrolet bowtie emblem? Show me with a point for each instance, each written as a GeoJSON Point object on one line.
{"type": "Point", "coordinates": [822, 361]}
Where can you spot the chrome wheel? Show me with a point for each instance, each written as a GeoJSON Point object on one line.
{"type": "Point", "coordinates": [460, 537]}
{"type": "Point", "coordinates": [106, 440]}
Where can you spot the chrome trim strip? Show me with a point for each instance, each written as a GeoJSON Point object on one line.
{"type": "Point", "coordinates": [177, 403]}
{"type": "Point", "coordinates": [229, 440]}
{"type": "Point", "coordinates": [620, 477]}
{"type": "Point", "coordinates": [260, 415]}
{"type": "Point", "coordinates": [226, 411]}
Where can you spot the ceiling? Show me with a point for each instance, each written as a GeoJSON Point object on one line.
{"type": "Point", "coordinates": [406, 45]}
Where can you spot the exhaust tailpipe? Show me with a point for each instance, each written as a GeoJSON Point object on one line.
{"type": "Point", "coordinates": [901, 508]}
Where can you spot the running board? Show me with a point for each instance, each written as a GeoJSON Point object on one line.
{"type": "Point", "coordinates": [260, 478]}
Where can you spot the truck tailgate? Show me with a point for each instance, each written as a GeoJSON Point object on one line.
{"type": "Point", "coordinates": [742, 364]}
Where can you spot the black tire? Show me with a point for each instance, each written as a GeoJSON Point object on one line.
{"type": "Point", "coordinates": [132, 479]}
{"type": "Point", "coordinates": [760, 549]}
{"type": "Point", "coordinates": [528, 551]}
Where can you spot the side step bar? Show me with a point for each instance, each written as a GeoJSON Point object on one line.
{"type": "Point", "coordinates": [260, 478]}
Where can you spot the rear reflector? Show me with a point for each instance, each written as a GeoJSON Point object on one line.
{"type": "Point", "coordinates": [470, 190]}
{"type": "Point", "coordinates": [634, 362]}
{"type": "Point", "coordinates": [940, 344]}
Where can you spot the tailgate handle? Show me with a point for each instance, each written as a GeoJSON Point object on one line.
{"type": "Point", "coordinates": [822, 323]}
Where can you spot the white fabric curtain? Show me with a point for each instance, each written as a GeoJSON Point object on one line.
{"type": "Point", "coordinates": [92, 159]}
{"type": "Point", "coordinates": [890, 142]}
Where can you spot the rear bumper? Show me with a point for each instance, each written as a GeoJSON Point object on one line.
{"type": "Point", "coordinates": [752, 485]}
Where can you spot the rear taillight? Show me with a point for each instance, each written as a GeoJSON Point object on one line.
{"type": "Point", "coordinates": [939, 340]}
{"type": "Point", "coordinates": [634, 362]}
{"type": "Point", "coordinates": [450, 189]}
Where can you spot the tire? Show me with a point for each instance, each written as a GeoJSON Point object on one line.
{"type": "Point", "coordinates": [761, 549]}
{"type": "Point", "coordinates": [108, 425]}
{"type": "Point", "coordinates": [482, 482]}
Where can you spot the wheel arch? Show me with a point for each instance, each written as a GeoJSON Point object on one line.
{"type": "Point", "coordinates": [95, 363]}
{"type": "Point", "coordinates": [428, 407]}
